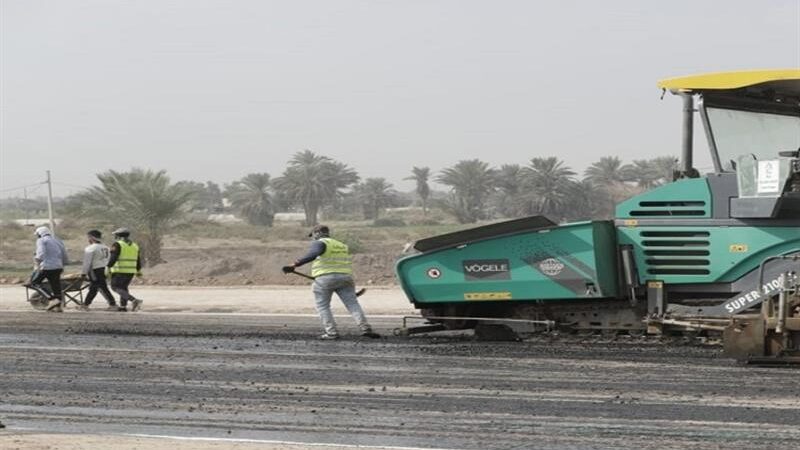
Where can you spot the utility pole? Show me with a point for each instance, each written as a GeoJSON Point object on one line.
{"type": "Point", "coordinates": [25, 205]}
{"type": "Point", "coordinates": [50, 204]}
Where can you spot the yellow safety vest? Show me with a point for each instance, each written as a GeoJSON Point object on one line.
{"type": "Point", "coordinates": [335, 259]}
{"type": "Point", "coordinates": [128, 256]}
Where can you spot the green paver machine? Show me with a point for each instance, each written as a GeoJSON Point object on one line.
{"type": "Point", "coordinates": [716, 253]}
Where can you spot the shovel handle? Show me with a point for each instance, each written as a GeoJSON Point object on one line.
{"type": "Point", "coordinates": [302, 275]}
{"type": "Point", "coordinates": [359, 292]}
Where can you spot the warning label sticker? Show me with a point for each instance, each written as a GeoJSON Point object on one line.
{"type": "Point", "coordinates": [769, 176]}
{"type": "Point", "coordinates": [487, 296]}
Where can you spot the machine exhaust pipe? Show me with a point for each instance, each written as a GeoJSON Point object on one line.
{"type": "Point", "coordinates": [687, 140]}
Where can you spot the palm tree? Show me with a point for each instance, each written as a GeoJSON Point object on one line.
{"type": "Point", "coordinates": [665, 167]}
{"type": "Point", "coordinates": [205, 197]}
{"type": "Point", "coordinates": [643, 173]}
{"type": "Point", "coordinates": [142, 200]}
{"type": "Point", "coordinates": [252, 198]}
{"type": "Point", "coordinates": [586, 201]}
{"type": "Point", "coordinates": [509, 182]}
{"type": "Point", "coordinates": [548, 186]}
{"type": "Point", "coordinates": [374, 195]}
{"type": "Point", "coordinates": [607, 172]}
{"type": "Point", "coordinates": [471, 183]}
{"type": "Point", "coordinates": [213, 197]}
{"type": "Point", "coordinates": [608, 176]}
{"type": "Point", "coordinates": [312, 180]}
{"type": "Point", "coordinates": [420, 175]}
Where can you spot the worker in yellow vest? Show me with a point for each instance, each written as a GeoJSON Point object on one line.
{"type": "Point", "coordinates": [124, 263]}
{"type": "Point", "coordinates": [332, 269]}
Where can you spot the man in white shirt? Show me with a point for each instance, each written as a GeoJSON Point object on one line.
{"type": "Point", "coordinates": [49, 260]}
{"type": "Point", "coordinates": [95, 259]}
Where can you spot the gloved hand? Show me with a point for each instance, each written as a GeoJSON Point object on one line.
{"type": "Point", "coordinates": [287, 269]}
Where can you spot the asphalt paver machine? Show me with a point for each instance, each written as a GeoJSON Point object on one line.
{"type": "Point", "coordinates": [717, 253]}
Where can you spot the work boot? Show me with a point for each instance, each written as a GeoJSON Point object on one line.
{"type": "Point", "coordinates": [112, 308]}
{"type": "Point", "coordinates": [136, 304]}
{"type": "Point", "coordinates": [54, 304]}
{"type": "Point", "coordinates": [328, 337]}
{"type": "Point", "coordinates": [122, 309]}
{"type": "Point", "coordinates": [370, 334]}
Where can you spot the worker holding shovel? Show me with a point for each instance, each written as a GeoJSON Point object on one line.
{"type": "Point", "coordinates": [332, 271]}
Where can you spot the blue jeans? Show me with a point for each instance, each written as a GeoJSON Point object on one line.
{"type": "Point", "coordinates": [344, 286]}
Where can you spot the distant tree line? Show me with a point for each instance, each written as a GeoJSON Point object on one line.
{"type": "Point", "coordinates": [312, 183]}
{"type": "Point", "coordinates": [546, 186]}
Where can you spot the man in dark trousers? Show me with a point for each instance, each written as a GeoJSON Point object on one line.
{"type": "Point", "coordinates": [332, 270]}
{"type": "Point", "coordinates": [49, 259]}
{"type": "Point", "coordinates": [95, 260]}
{"type": "Point", "coordinates": [124, 263]}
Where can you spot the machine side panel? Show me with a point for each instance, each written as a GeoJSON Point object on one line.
{"type": "Point", "coordinates": [556, 263]}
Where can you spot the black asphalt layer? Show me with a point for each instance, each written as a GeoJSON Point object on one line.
{"type": "Point", "coordinates": [268, 377]}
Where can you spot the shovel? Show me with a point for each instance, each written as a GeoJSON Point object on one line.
{"type": "Point", "coordinates": [359, 292]}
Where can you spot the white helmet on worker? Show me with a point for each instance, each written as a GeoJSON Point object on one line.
{"type": "Point", "coordinates": [121, 232]}
{"type": "Point", "coordinates": [42, 231]}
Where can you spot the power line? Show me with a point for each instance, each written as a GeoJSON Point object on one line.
{"type": "Point", "coordinates": [19, 188]}
{"type": "Point", "coordinates": [59, 183]}
{"type": "Point", "coordinates": [36, 187]}
{"type": "Point", "coordinates": [34, 190]}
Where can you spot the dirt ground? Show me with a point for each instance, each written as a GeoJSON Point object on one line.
{"type": "Point", "coordinates": [40, 441]}
{"type": "Point", "coordinates": [215, 262]}
{"type": "Point", "coordinates": [255, 264]}
{"type": "Point", "coordinates": [236, 299]}
{"type": "Point", "coordinates": [189, 377]}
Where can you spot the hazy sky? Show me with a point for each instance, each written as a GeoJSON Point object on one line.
{"type": "Point", "coordinates": [213, 90]}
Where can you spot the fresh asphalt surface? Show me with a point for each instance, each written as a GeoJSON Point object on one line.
{"type": "Point", "coordinates": [268, 377]}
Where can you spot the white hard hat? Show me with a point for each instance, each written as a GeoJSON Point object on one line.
{"type": "Point", "coordinates": [121, 232]}
{"type": "Point", "coordinates": [42, 231]}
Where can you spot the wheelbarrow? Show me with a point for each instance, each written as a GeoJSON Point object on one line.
{"type": "Point", "coordinates": [72, 287]}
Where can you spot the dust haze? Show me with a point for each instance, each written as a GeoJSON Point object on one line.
{"type": "Point", "coordinates": [212, 90]}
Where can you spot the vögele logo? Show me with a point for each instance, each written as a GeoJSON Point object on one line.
{"type": "Point", "coordinates": [486, 269]}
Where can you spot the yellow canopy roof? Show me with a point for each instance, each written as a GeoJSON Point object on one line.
{"type": "Point", "coordinates": [729, 80]}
